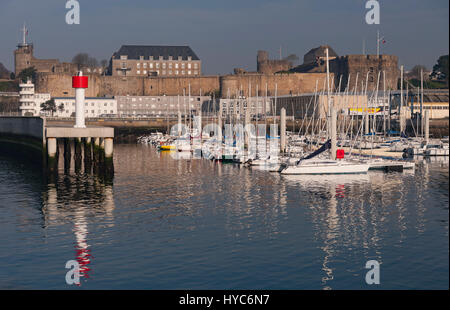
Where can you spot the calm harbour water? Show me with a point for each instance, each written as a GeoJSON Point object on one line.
{"type": "Point", "coordinates": [196, 224]}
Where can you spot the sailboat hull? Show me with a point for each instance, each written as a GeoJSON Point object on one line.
{"type": "Point", "coordinates": [327, 168]}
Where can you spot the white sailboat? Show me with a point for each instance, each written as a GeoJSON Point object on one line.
{"type": "Point", "coordinates": [336, 164]}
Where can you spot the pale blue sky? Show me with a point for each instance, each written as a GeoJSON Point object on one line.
{"type": "Point", "coordinates": [227, 34]}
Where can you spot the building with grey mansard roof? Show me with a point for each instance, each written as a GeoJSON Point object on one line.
{"type": "Point", "coordinates": [155, 60]}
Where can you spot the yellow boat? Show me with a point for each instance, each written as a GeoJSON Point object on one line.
{"type": "Point", "coordinates": [168, 147]}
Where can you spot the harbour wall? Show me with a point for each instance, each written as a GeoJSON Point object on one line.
{"type": "Point", "coordinates": [24, 136]}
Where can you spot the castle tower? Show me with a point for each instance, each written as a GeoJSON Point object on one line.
{"type": "Point", "coordinates": [23, 55]}
{"type": "Point", "coordinates": [262, 57]}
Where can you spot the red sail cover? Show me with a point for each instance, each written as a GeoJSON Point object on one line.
{"type": "Point", "coordinates": [80, 82]}
{"type": "Point", "coordinates": [340, 154]}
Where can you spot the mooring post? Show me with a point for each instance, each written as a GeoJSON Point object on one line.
{"type": "Point", "coordinates": [67, 155]}
{"type": "Point", "coordinates": [78, 155]}
{"type": "Point", "coordinates": [102, 150]}
{"type": "Point", "coordinates": [402, 118]}
{"type": "Point", "coordinates": [87, 155]}
{"type": "Point", "coordinates": [283, 130]}
{"type": "Point", "coordinates": [96, 150]}
{"type": "Point", "coordinates": [109, 147]}
{"type": "Point", "coordinates": [109, 163]}
{"type": "Point", "coordinates": [52, 152]}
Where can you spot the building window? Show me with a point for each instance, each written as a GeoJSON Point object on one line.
{"type": "Point", "coordinates": [145, 65]}
{"type": "Point", "coordinates": [195, 65]}
{"type": "Point", "coordinates": [176, 72]}
{"type": "Point", "coordinates": [138, 72]}
{"type": "Point", "coordinates": [157, 65]}
{"type": "Point", "coordinates": [189, 72]}
{"type": "Point", "coordinates": [189, 66]}
{"type": "Point", "coordinates": [151, 65]}
{"type": "Point", "coordinates": [123, 57]}
{"type": "Point", "coordinates": [124, 65]}
{"type": "Point", "coordinates": [145, 71]}
{"type": "Point", "coordinates": [176, 66]}
{"type": "Point", "coordinates": [164, 65]}
{"type": "Point", "coordinates": [164, 72]}
{"type": "Point", "coordinates": [183, 66]}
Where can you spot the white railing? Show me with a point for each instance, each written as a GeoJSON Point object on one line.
{"type": "Point", "coordinates": [10, 114]}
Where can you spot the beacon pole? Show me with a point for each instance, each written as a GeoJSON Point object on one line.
{"type": "Point", "coordinates": [80, 83]}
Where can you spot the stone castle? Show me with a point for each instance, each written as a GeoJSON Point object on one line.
{"type": "Point", "coordinates": [278, 76]}
{"type": "Point", "coordinates": [24, 58]}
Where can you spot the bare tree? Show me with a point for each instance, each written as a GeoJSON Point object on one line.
{"type": "Point", "coordinates": [84, 60]}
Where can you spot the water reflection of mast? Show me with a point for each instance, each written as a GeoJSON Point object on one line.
{"type": "Point", "coordinates": [332, 222]}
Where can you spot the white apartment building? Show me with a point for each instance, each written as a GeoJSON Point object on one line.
{"type": "Point", "coordinates": [30, 102]}
{"type": "Point", "coordinates": [159, 106]}
{"type": "Point", "coordinates": [94, 107]}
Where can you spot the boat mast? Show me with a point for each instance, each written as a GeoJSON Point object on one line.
{"type": "Point", "coordinates": [331, 115]}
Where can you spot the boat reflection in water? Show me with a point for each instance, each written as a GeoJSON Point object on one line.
{"type": "Point", "coordinates": [65, 203]}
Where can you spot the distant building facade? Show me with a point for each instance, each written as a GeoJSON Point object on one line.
{"type": "Point", "coordinates": [94, 107]}
{"type": "Point", "coordinates": [30, 102]}
{"type": "Point", "coordinates": [164, 61]}
{"type": "Point", "coordinates": [159, 106]}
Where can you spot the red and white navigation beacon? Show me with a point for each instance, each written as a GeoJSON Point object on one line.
{"type": "Point", "coordinates": [80, 83]}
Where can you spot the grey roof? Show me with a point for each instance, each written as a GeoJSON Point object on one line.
{"type": "Point", "coordinates": [311, 56]}
{"type": "Point", "coordinates": [135, 51]}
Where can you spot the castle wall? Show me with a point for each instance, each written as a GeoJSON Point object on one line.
{"type": "Point", "coordinates": [351, 65]}
{"type": "Point", "coordinates": [268, 66]}
{"type": "Point", "coordinates": [273, 66]}
{"type": "Point", "coordinates": [60, 85]}
{"type": "Point", "coordinates": [286, 84]}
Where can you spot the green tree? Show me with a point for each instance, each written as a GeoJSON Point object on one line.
{"type": "Point", "coordinates": [28, 73]}
{"type": "Point", "coordinates": [440, 70]}
{"type": "Point", "coordinates": [416, 70]}
{"type": "Point", "coordinates": [49, 106]}
{"type": "Point", "coordinates": [61, 108]}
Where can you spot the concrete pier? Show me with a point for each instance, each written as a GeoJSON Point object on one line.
{"type": "Point", "coordinates": [109, 147]}
{"type": "Point", "coordinates": [82, 140]}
